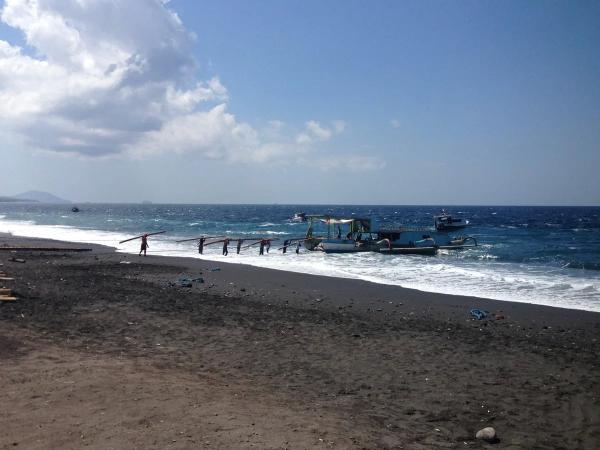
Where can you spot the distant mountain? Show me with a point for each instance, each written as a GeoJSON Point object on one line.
{"type": "Point", "coordinates": [4, 199]}
{"type": "Point", "coordinates": [39, 196]}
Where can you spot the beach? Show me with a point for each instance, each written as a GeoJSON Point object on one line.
{"type": "Point", "coordinates": [109, 350]}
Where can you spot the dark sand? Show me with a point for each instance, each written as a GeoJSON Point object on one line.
{"type": "Point", "coordinates": [100, 354]}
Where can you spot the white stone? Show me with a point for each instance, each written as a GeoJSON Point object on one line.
{"type": "Point", "coordinates": [486, 434]}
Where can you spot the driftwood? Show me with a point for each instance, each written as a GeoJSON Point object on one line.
{"type": "Point", "coordinates": [44, 249]}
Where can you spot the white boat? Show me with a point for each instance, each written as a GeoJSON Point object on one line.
{"type": "Point", "coordinates": [299, 217]}
{"type": "Point", "coordinates": [340, 246]}
{"type": "Point", "coordinates": [445, 222]}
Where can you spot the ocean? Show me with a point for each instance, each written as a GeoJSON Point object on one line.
{"type": "Point", "coordinates": [542, 255]}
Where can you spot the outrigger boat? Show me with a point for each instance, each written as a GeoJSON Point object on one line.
{"type": "Point", "coordinates": [336, 241]}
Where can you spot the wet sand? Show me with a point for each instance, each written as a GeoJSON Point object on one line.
{"type": "Point", "coordinates": [105, 350]}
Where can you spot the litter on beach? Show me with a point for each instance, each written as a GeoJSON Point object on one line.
{"type": "Point", "coordinates": [186, 282]}
{"type": "Point", "coordinates": [479, 314]}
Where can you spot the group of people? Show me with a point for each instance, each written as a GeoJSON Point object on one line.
{"type": "Point", "coordinates": [264, 244]}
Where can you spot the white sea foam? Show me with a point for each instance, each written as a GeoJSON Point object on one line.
{"type": "Point", "coordinates": [447, 273]}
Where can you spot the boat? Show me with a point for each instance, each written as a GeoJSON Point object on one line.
{"type": "Point", "coordinates": [352, 235]}
{"type": "Point", "coordinates": [409, 237]}
{"type": "Point", "coordinates": [75, 209]}
{"type": "Point", "coordinates": [299, 217]}
{"type": "Point", "coordinates": [340, 246]}
{"type": "Point", "coordinates": [445, 221]}
{"type": "Point", "coordinates": [342, 234]}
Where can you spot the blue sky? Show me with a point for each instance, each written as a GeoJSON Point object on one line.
{"type": "Point", "coordinates": [323, 102]}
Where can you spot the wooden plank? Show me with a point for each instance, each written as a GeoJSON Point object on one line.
{"type": "Point", "coordinates": [4, 298]}
{"type": "Point", "coordinates": [141, 235]}
{"type": "Point", "coordinates": [6, 279]}
{"type": "Point", "coordinates": [44, 249]}
{"type": "Point", "coordinates": [5, 291]}
{"type": "Point", "coordinates": [198, 238]}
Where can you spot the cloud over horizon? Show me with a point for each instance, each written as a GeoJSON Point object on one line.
{"type": "Point", "coordinates": [90, 83]}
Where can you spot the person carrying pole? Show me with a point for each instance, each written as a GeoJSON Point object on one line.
{"type": "Point", "coordinates": [144, 245]}
{"type": "Point", "coordinates": [286, 243]}
{"type": "Point", "coordinates": [201, 244]}
{"type": "Point", "coordinates": [298, 247]}
{"type": "Point", "coordinates": [268, 245]}
{"type": "Point", "coordinates": [239, 245]}
{"type": "Point", "coordinates": [261, 250]}
{"type": "Point", "coordinates": [225, 244]}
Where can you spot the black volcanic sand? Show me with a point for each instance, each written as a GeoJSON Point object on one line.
{"type": "Point", "coordinates": [102, 354]}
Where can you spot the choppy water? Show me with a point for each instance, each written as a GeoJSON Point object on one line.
{"type": "Point", "coordinates": [544, 255]}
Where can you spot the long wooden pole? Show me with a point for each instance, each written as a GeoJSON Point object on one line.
{"type": "Point", "coordinates": [259, 240]}
{"type": "Point", "coordinates": [198, 238]}
{"type": "Point", "coordinates": [142, 235]}
{"type": "Point", "coordinates": [44, 249]}
{"type": "Point", "coordinates": [293, 242]}
{"type": "Point", "coordinates": [214, 242]}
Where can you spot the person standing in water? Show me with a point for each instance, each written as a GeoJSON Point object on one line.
{"type": "Point", "coordinates": [268, 245]}
{"type": "Point", "coordinates": [144, 245]}
{"type": "Point", "coordinates": [261, 250]}
{"type": "Point", "coordinates": [201, 245]}
{"type": "Point", "coordinates": [225, 244]}
{"type": "Point", "coordinates": [298, 247]}
{"type": "Point", "coordinates": [239, 246]}
{"type": "Point", "coordinates": [285, 245]}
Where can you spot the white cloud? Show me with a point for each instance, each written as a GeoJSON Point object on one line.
{"type": "Point", "coordinates": [314, 132]}
{"type": "Point", "coordinates": [95, 83]}
{"type": "Point", "coordinates": [354, 163]}
{"type": "Point", "coordinates": [339, 126]}
{"type": "Point", "coordinates": [103, 78]}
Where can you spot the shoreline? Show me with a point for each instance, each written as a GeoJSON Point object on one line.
{"type": "Point", "coordinates": [449, 274]}
{"type": "Point", "coordinates": [346, 287]}
{"type": "Point", "coordinates": [107, 349]}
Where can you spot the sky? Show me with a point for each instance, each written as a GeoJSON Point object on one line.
{"type": "Point", "coordinates": [301, 101]}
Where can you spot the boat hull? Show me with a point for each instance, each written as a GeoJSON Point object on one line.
{"type": "Point", "coordinates": [340, 246]}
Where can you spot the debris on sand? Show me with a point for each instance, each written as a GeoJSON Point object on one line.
{"type": "Point", "coordinates": [487, 434]}
{"type": "Point", "coordinates": [478, 314]}
{"type": "Point", "coordinates": [186, 282]}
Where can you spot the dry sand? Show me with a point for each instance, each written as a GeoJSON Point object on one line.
{"type": "Point", "coordinates": [100, 354]}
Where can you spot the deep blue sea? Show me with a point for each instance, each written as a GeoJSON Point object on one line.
{"type": "Point", "coordinates": [543, 255]}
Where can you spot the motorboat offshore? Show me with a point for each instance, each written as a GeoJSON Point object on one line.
{"type": "Point", "coordinates": [445, 222]}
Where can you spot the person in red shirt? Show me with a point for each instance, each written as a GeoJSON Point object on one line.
{"type": "Point", "coordinates": [144, 245]}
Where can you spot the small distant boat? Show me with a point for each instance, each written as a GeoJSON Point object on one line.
{"type": "Point", "coordinates": [75, 209]}
{"type": "Point", "coordinates": [299, 217]}
{"type": "Point", "coordinates": [445, 222]}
